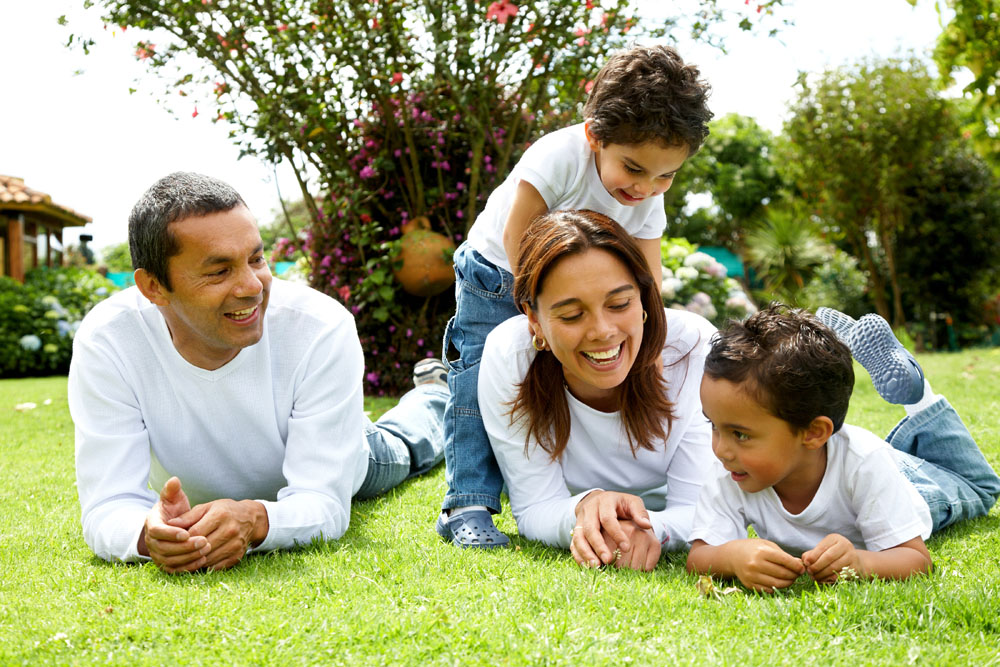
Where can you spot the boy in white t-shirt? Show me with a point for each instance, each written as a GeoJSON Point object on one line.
{"type": "Point", "coordinates": [821, 495]}
{"type": "Point", "coordinates": [646, 114]}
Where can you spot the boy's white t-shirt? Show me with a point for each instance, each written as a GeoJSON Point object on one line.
{"type": "Point", "coordinates": [562, 168]}
{"type": "Point", "coordinates": [863, 496]}
{"type": "Point", "coordinates": [544, 493]}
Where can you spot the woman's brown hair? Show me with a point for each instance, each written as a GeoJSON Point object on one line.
{"type": "Point", "coordinates": [540, 401]}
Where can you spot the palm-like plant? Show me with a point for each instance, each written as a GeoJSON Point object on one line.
{"type": "Point", "coordinates": [785, 252]}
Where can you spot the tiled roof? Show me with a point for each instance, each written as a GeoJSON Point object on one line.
{"type": "Point", "coordinates": [15, 195]}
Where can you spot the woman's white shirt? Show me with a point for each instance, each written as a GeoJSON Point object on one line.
{"type": "Point", "coordinates": [544, 493]}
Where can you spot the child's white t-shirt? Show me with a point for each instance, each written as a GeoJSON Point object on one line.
{"type": "Point", "coordinates": [562, 168]}
{"type": "Point", "coordinates": [863, 496]}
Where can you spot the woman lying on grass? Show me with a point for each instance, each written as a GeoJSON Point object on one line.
{"type": "Point", "coordinates": [590, 398]}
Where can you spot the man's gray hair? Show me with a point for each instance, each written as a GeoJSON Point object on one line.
{"type": "Point", "coordinates": [174, 197]}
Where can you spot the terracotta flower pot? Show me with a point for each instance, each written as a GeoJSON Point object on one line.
{"type": "Point", "coordinates": [426, 267]}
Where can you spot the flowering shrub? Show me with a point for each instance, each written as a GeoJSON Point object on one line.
{"type": "Point", "coordinates": [39, 318]}
{"type": "Point", "coordinates": [695, 281]}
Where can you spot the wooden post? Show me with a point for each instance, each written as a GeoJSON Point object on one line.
{"type": "Point", "coordinates": [15, 242]}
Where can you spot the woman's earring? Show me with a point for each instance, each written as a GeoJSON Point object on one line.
{"type": "Point", "coordinates": [644, 316]}
{"type": "Point", "coordinates": [537, 343]}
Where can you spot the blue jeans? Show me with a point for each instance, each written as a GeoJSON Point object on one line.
{"type": "Point", "coordinates": [936, 452]}
{"type": "Point", "coordinates": [406, 441]}
{"type": "Point", "coordinates": [483, 299]}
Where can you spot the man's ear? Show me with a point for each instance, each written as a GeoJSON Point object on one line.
{"type": "Point", "coordinates": [150, 287]}
{"type": "Point", "coordinates": [818, 432]}
{"type": "Point", "coordinates": [595, 145]}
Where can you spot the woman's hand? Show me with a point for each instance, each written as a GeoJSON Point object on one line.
{"type": "Point", "coordinates": [644, 553]}
{"type": "Point", "coordinates": [599, 531]}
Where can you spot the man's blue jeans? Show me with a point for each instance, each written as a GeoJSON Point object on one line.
{"type": "Point", "coordinates": [483, 299]}
{"type": "Point", "coordinates": [936, 452]}
{"type": "Point", "coordinates": [406, 441]}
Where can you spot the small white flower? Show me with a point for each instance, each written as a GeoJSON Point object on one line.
{"type": "Point", "coordinates": [30, 342]}
{"type": "Point", "coordinates": [24, 407]}
{"type": "Point", "coordinates": [686, 273]}
{"type": "Point", "coordinates": [667, 273]}
{"type": "Point", "coordinates": [670, 286]}
{"type": "Point", "coordinates": [677, 252]}
{"type": "Point", "coordinates": [699, 260]}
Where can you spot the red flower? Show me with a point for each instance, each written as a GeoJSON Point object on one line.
{"type": "Point", "coordinates": [590, 5]}
{"type": "Point", "coordinates": [345, 293]}
{"type": "Point", "coordinates": [501, 11]}
{"type": "Point", "coordinates": [195, 113]}
{"type": "Point", "coordinates": [143, 50]}
{"type": "Point", "coordinates": [397, 77]}
{"type": "Point", "coordinates": [283, 27]}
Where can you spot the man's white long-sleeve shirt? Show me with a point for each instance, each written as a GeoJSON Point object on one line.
{"type": "Point", "coordinates": [281, 423]}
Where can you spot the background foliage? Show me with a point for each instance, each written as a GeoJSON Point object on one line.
{"type": "Point", "coordinates": [389, 111]}
{"type": "Point", "coordinates": [38, 318]}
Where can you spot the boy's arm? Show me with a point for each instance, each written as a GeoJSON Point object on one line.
{"type": "Point", "coordinates": [759, 564]}
{"type": "Point", "coordinates": [835, 552]}
{"type": "Point", "coordinates": [651, 251]}
{"type": "Point", "coordinates": [527, 206]}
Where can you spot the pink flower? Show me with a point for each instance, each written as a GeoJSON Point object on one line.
{"type": "Point", "coordinates": [397, 77]}
{"type": "Point", "coordinates": [367, 172]}
{"type": "Point", "coordinates": [501, 11]}
{"type": "Point", "coordinates": [144, 51]}
{"type": "Point", "coordinates": [345, 293]}
{"type": "Point", "coordinates": [283, 27]}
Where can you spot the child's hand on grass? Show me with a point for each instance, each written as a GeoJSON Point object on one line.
{"type": "Point", "coordinates": [764, 566]}
{"type": "Point", "coordinates": [830, 556]}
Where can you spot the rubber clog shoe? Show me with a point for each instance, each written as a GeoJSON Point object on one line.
{"type": "Point", "coordinates": [896, 375]}
{"type": "Point", "coordinates": [473, 529]}
{"type": "Point", "coordinates": [841, 324]}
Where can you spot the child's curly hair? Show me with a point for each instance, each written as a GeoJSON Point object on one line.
{"type": "Point", "coordinates": [789, 362]}
{"type": "Point", "coordinates": [648, 94]}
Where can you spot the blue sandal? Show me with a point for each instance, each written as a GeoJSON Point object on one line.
{"type": "Point", "coordinates": [471, 529]}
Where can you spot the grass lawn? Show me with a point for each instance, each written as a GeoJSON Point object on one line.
{"type": "Point", "coordinates": [391, 592]}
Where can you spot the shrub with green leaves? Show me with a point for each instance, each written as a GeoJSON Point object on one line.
{"type": "Point", "coordinates": [39, 318]}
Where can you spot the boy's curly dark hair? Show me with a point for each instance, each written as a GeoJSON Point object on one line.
{"type": "Point", "coordinates": [789, 362]}
{"type": "Point", "coordinates": [648, 94]}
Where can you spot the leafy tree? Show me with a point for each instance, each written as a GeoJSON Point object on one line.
{"type": "Point", "coordinates": [971, 40]}
{"type": "Point", "coordinates": [117, 257]}
{"type": "Point", "coordinates": [857, 137]}
{"type": "Point", "coordinates": [950, 250]}
{"type": "Point", "coordinates": [735, 166]}
{"type": "Point", "coordinates": [387, 110]}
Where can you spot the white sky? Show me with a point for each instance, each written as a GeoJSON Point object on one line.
{"type": "Point", "coordinates": [83, 139]}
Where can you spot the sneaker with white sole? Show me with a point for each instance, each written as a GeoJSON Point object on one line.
{"type": "Point", "coordinates": [430, 370]}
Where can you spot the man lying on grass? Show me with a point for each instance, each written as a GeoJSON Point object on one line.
{"type": "Point", "coordinates": [244, 387]}
{"type": "Point", "coordinates": [822, 495]}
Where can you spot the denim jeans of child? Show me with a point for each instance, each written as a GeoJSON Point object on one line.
{"type": "Point", "coordinates": [936, 452]}
{"type": "Point", "coordinates": [406, 441]}
{"type": "Point", "coordinates": [483, 299]}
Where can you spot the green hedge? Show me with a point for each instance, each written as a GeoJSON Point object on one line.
{"type": "Point", "coordinates": [38, 318]}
